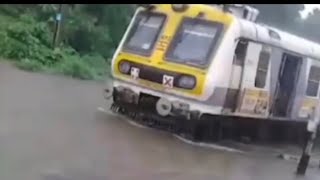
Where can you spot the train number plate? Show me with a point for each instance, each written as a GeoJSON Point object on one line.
{"type": "Point", "coordinates": [135, 72]}
{"type": "Point", "coordinates": [167, 81]}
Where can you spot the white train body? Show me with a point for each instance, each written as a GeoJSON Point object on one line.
{"type": "Point", "coordinates": [256, 71]}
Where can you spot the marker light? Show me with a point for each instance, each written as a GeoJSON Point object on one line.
{"type": "Point", "coordinates": [179, 7]}
{"type": "Point", "coordinates": [147, 6]}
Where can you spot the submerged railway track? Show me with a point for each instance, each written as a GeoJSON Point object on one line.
{"type": "Point", "coordinates": [209, 128]}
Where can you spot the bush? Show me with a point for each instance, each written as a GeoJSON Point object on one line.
{"type": "Point", "coordinates": [29, 65]}
{"type": "Point", "coordinates": [97, 62]}
{"type": "Point", "coordinates": [86, 67]}
{"type": "Point", "coordinates": [27, 39]}
{"type": "Point", "coordinates": [27, 47]}
{"type": "Point", "coordinates": [89, 36]}
{"type": "Point", "coordinates": [74, 66]}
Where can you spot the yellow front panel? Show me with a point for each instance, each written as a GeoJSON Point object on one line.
{"type": "Point", "coordinates": [157, 58]}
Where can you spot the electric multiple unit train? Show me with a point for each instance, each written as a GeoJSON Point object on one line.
{"type": "Point", "coordinates": [211, 72]}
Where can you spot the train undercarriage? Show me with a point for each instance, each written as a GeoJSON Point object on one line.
{"type": "Point", "coordinates": [207, 127]}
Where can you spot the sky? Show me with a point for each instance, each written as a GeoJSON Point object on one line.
{"type": "Point", "coordinates": [308, 8]}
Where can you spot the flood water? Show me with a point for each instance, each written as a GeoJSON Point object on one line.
{"type": "Point", "coordinates": [57, 128]}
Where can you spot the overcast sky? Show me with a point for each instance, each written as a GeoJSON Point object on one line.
{"type": "Point", "coordinates": [308, 8]}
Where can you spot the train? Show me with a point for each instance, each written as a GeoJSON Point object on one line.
{"type": "Point", "coordinates": [210, 72]}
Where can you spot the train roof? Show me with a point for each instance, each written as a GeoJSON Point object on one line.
{"type": "Point", "coordinates": [267, 34]}
{"type": "Point", "coordinates": [246, 15]}
{"type": "Point", "coordinates": [270, 35]}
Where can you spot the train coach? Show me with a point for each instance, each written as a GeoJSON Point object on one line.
{"type": "Point", "coordinates": [210, 72]}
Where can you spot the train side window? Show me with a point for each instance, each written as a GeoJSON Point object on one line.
{"type": "Point", "coordinates": [240, 52]}
{"type": "Point", "coordinates": [313, 81]}
{"type": "Point", "coordinates": [262, 69]}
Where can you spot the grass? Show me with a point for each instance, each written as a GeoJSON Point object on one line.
{"type": "Point", "coordinates": [75, 67]}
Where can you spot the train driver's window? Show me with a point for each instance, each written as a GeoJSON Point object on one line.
{"type": "Point", "coordinates": [240, 52]}
{"type": "Point", "coordinates": [313, 81]}
{"type": "Point", "coordinates": [262, 69]}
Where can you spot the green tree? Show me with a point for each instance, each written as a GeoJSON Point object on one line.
{"type": "Point", "coordinates": [96, 27]}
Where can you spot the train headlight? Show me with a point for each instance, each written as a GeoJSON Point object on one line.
{"type": "Point", "coordinates": [187, 82]}
{"type": "Point", "coordinates": [124, 67]}
{"type": "Point", "coordinates": [179, 7]}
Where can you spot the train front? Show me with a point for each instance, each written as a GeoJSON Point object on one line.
{"type": "Point", "coordinates": [159, 69]}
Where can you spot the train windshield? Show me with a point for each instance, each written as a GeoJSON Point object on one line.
{"type": "Point", "coordinates": [194, 42]}
{"type": "Point", "coordinates": [144, 33]}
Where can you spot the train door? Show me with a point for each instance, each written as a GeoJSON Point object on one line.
{"type": "Point", "coordinates": [286, 85]}
{"type": "Point", "coordinates": [307, 96]}
{"type": "Point", "coordinates": [254, 89]}
{"type": "Point", "coordinates": [236, 76]}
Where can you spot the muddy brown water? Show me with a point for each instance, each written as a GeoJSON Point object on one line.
{"type": "Point", "coordinates": [50, 129]}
